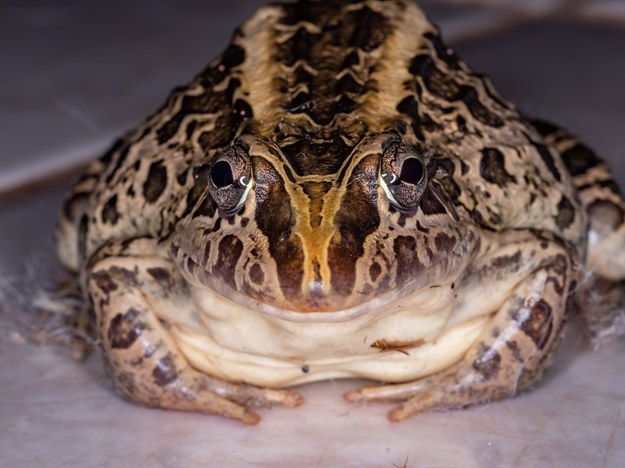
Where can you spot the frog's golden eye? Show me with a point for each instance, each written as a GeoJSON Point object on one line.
{"type": "Point", "coordinates": [403, 176]}
{"type": "Point", "coordinates": [228, 179]}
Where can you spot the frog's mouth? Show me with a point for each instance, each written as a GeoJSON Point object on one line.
{"type": "Point", "coordinates": [430, 283]}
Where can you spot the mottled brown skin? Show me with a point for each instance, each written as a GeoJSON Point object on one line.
{"type": "Point", "coordinates": [278, 179]}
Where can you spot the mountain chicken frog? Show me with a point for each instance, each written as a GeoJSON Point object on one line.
{"type": "Point", "coordinates": [338, 195]}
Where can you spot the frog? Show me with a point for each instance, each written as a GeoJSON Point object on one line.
{"type": "Point", "coordinates": [339, 195]}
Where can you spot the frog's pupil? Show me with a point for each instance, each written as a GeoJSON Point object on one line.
{"type": "Point", "coordinates": [221, 174]}
{"type": "Point", "coordinates": [411, 171]}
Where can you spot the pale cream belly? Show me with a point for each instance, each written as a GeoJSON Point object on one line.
{"type": "Point", "coordinates": [237, 344]}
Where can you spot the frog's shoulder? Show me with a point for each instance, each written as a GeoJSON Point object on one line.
{"type": "Point", "coordinates": [487, 158]}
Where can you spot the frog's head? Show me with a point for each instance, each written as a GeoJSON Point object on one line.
{"type": "Point", "coordinates": [296, 227]}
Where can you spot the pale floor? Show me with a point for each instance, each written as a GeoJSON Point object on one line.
{"type": "Point", "coordinates": [81, 74]}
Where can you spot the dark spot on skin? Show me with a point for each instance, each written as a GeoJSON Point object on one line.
{"type": "Point", "coordinates": [513, 346]}
{"type": "Point", "coordinates": [557, 287]}
{"type": "Point", "coordinates": [560, 264]}
{"type": "Point", "coordinates": [125, 329]}
{"type": "Point", "coordinates": [182, 177]}
{"type": "Point", "coordinates": [129, 277]}
{"type": "Point", "coordinates": [566, 213]}
{"type": "Point", "coordinates": [408, 106]}
{"type": "Point", "coordinates": [492, 167]}
{"type": "Point", "coordinates": [543, 127]}
{"type": "Point", "coordinates": [113, 169]}
{"type": "Point", "coordinates": [156, 182]}
{"type": "Point", "coordinates": [305, 369]}
{"type": "Point", "coordinates": [256, 274]}
{"type": "Point", "coordinates": [405, 248]}
{"type": "Point", "coordinates": [444, 243]}
{"type": "Point", "coordinates": [161, 275]}
{"type": "Point", "coordinates": [110, 215]}
{"type": "Point", "coordinates": [347, 84]}
{"type": "Point", "coordinates": [369, 31]}
{"type": "Point", "coordinates": [374, 271]}
{"type": "Point", "coordinates": [507, 261]}
{"type": "Point", "coordinates": [539, 323]}
{"type": "Point", "coordinates": [580, 159]}
{"type": "Point", "coordinates": [165, 371]}
{"type": "Point", "coordinates": [351, 59]}
{"type": "Point", "coordinates": [229, 249]}
{"type": "Point", "coordinates": [547, 158]}
{"type": "Point", "coordinates": [488, 362]}
{"type": "Point", "coordinates": [104, 281]}
{"type": "Point", "coordinates": [461, 123]}
{"type": "Point", "coordinates": [124, 381]}
{"type": "Point", "coordinates": [470, 98]}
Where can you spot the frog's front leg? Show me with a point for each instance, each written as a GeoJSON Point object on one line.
{"type": "Point", "coordinates": [515, 347]}
{"type": "Point", "coordinates": [127, 281]}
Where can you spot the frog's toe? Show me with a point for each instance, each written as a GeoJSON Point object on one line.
{"type": "Point", "coordinates": [254, 397]}
{"type": "Point", "coordinates": [384, 393]}
{"type": "Point", "coordinates": [417, 404]}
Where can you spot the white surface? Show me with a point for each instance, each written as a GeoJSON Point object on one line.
{"type": "Point", "coordinates": [55, 412]}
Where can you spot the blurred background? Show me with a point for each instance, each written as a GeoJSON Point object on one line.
{"type": "Point", "coordinates": [75, 74]}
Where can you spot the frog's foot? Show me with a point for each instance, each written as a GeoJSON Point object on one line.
{"type": "Point", "coordinates": [125, 281]}
{"type": "Point", "coordinates": [458, 388]}
{"type": "Point", "coordinates": [510, 355]}
{"type": "Point", "coordinates": [189, 390]}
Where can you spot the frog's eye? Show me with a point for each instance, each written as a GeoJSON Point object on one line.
{"type": "Point", "coordinates": [403, 176]}
{"type": "Point", "coordinates": [228, 179]}
{"type": "Point", "coordinates": [221, 174]}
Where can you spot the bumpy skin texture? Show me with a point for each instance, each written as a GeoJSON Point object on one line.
{"type": "Point", "coordinates": [304, 122]}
